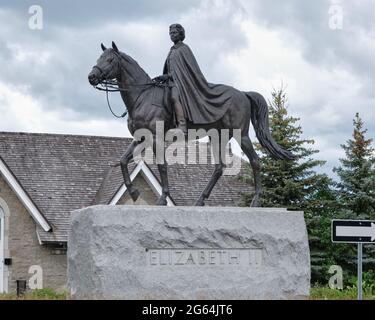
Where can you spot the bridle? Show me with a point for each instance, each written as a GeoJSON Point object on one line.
{"type": "Point", "coordinates": [113, 86]}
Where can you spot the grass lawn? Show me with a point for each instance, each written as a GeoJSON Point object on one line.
{"type": "Point", "coordinates": [316, 293]}
{"type": "Point", "coordinates": [42, 294]}
{"type": "Point", "coordinates": [349, 293]}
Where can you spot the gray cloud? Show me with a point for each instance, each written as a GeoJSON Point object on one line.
{"type": "Point", "coordinates": [309, 22]}
{"type": "Point", "coordinates": [71, 37]}
{"type": "Point", "coordinates": [350, 50]}
{"type": "Point", "coordinates": [74, 13]}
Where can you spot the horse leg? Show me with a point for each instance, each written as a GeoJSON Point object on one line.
{"type": "Point", "coordinates": [218, 172]}
{"type": "Point", "coordinates": [248, 148]}
{"type": "Point", "coordinates": [128, 155]}
{"type": "Point", "coordinates": [162, 167]}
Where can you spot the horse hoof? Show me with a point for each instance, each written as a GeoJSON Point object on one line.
{"type": "Point", "coordinates": [161, 202]}
{"type": "Point", "coordinates": [134, 194]}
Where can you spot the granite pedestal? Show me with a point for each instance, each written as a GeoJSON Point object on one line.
{"type": "Point", "coordinates": [140, 252]}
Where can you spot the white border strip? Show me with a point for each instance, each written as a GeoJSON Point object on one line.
{"type": "Point", "coordinates": [150, 178]}
{"type": "Point", "coordinates": [23, 197]}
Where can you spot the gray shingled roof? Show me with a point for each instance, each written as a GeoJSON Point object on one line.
{"type": "Point", "coordinates": [62, 173]}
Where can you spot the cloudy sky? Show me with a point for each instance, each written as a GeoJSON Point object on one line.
{"type": "Point", "coordinates": [325, 59]}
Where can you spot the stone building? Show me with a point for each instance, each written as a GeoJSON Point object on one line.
{"type": "Point", "coordinates": [43, 177]}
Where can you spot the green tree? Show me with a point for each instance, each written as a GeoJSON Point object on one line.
{"type": "Point", "coordinates": [357, 173]}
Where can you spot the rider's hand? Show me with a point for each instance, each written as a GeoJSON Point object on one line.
{"type": "Point", "coordinates": [161, 78]}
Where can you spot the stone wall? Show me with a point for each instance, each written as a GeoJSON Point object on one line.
{"type": "Point", "coordinates": [22, 245]}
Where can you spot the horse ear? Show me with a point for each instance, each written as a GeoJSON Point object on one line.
{"type": "Point", "coordinates": [114, 46]}
{"type": "Point", "coordinates": [103, 47]}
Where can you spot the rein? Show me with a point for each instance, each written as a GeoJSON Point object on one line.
{"type": "Point", "coordinates": [113, 86]}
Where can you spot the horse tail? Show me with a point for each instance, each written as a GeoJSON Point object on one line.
{"type": "Point", "coordinates": [259, 119]}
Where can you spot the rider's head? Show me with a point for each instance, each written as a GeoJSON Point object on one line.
{"type": "Point", "coordinates": [179, 32]}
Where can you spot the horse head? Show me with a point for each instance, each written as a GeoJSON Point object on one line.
{"type": "Point", "coordinates": [107, 66]}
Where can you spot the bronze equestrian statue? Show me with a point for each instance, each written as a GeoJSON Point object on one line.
{"type": "Point", "coordinates": [197, 104]}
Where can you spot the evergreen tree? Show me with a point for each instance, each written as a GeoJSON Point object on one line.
{"type": "Point", "coordinates": [357, 173]}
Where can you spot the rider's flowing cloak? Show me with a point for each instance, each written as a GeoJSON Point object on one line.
{"type": "Point", "coordinates": [203, 102]}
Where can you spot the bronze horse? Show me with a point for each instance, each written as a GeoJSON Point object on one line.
{"type": "Point", "coordinates": [135, 87]}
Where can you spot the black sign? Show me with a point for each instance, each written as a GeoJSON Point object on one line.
{"type": "Point", "coordinates": [353, 231]}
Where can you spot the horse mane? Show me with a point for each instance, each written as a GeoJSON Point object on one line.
{"type": "Point", "coordinates": [134, 69]}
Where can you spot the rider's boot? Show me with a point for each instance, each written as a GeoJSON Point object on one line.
{"type": "Point", "coordinates": [182, 125]}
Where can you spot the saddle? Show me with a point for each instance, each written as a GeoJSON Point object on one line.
{"type": "Point", "coordinates": [161, 97]}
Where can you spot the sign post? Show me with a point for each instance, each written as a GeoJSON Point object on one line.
{"type": "Point", "coordinates": [359, 268]}
{"type": "Point", "coordinates": [354, 231]}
